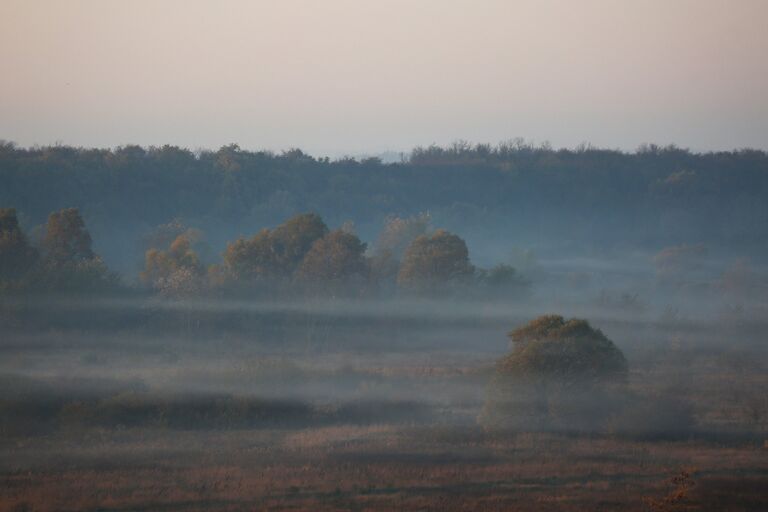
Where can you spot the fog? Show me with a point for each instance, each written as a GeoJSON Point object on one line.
{"type": "Point", "coordinates": [264, 352]}
{"type": "Point", "coordinates": [424, 360]}
{"type": "Point", "coordinates": [378, 255]}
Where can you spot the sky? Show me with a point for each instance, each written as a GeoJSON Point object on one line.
{"type": "Point", "coordinates": [338, 77]}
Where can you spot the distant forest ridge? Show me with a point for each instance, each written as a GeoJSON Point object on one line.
{"type": "Point", "coordinates": [519, 193]}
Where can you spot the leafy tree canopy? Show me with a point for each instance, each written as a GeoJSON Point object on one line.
{"type": "Point", "coordinates": [435, 260]}
{"type": "Point", "coordinates": [572, 351]}
{"type": "Point", "coordinates": [338, 256]}
{"type": "Point", "coordinates": [275, 253]}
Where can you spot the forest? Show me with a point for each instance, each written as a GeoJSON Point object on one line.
{"type": "Point", "coordinates": [576, 200]}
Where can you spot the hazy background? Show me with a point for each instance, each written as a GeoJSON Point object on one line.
{"type": "Point", "coordinates": [337, 76]}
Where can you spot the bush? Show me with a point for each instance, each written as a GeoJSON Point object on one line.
{"type": "Point", "coordinates": [562, 375]}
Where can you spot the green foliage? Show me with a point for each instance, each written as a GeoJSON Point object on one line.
{"type": "Point", "coordinates": [431, 262]}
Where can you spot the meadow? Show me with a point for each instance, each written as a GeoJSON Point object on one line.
{"type": "Point", "coordinates": [372, 409]}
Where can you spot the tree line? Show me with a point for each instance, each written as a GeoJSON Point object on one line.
{"type": "Point", "coordinates": [63, 261]}
{"type": "Point", "coordinates": [654, 197]}
{"type": "Point", "coordinates": [301, 255]}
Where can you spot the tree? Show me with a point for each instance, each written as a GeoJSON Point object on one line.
{"type": "Point", "coordinates": [69, 263]}
{"type": "Point", "coordinates": [433, 261]}
{"type": "Point", "coordinates": [274, 254]}
{"type": "Point", "coordinates": [176, 271]}
{"type": "Point", "coordinates": [571, 352]}
{"type": "Point", "coordinates": [568, 194]}
{"type": "Point", "coordinates": [66, 239]}
{"type": "Point", "coordinates": [16, 255]}
{"type": "Point", "coordinates": [251, 259]}
{"type": "Point", "coordinates": [292, 240]}
{"type": "Point", "coordinates": [337, 258]}
{"type": "Point", "coordinates": [560, 374]}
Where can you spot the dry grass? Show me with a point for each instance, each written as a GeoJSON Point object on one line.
{"type": "Point", "coordinates": [373, 456]}
{"type": "Point", "coordinates": [374, 468]}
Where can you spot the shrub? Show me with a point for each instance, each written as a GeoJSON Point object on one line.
{"type": "Point", "coordinates": [560, 374]}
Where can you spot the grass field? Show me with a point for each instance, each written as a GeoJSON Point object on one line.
{"type": "Point", "coordinates": [376, 467]}
{"type": "Point", "coordinates": [353, 420]}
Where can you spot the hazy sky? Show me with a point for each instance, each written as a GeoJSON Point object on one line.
{"type": "Point", "coordinates": [338, 76]}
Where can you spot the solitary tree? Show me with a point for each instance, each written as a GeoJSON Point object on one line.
{"type": "Point", "coordinates": [560, 374]}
